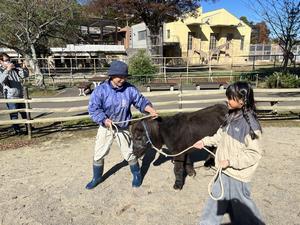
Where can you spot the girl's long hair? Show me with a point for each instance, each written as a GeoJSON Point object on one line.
{"type": "Point", "coordinates": [242, 90]}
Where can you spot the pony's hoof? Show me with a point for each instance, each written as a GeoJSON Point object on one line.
{"type": "Point", "coordinates": [191, 173]}
{"type": "Point", "coordinates": [177, 187]}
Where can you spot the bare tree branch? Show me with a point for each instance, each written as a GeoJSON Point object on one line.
{"type": "Point", "coordinates": [283, 17]}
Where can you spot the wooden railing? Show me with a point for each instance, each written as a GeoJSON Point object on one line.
{"type": "Point", "coordinates": [179, 103]}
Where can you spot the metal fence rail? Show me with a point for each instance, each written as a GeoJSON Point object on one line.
{"type": "Point", "coordinates": [77, 66]}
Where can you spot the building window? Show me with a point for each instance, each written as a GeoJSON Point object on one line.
{"type": "Point", "coordinates": [168, 34]}
{"type": "Point", "coordinates": [259, 48]}
{"type": "Point", "coordinates": [142, 35]}
{"type": "Point", "coordinates": [190, 40]}
{"type": "Point", "coordinates": [213, 41]}
{"type": "Point", "coordinates": [242, 42]}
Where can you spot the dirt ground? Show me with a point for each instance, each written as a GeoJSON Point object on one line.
{"type": "Point", "coordinates": [45, 184]}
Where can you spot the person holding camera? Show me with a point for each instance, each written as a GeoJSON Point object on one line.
{"type": "Point", "coordinates": [11, 80]}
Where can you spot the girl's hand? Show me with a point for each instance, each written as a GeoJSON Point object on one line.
{"type": "Point", "coordinates": [224, 164]}
{"type": "Point", "coordinates": [199, 144]}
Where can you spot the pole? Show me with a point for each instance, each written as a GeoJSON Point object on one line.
{"type": "Point", "coordinates": [48, 65]}
{"type": "Point", "coordinates": [180, 95]}
{"type": "Point", "coordinates": [253, 66]}
{"type": "Point", "coordinates": [165, 69]}
{"type": "Point", "coordinates": [187, 77]}
{"type": "Point", "coordinates": [256, 82]}
{"type": "Point", "coordinates": [71, 64]}
{"type": "Point", "coordinates": [187, 66]}
{"type": "Point", "coordinates": [209, 70]}
{"type": "Point", "coordinates": [28, 116]}
{"type": "Point", "coordinates": [76, 62]}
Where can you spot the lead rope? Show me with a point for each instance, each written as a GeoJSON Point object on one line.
{"type": "Point", "coordinates": [215, 177]}
{"type": "Point", "coordinates": [124, 121]}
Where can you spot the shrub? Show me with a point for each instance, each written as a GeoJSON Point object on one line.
{"type": "Point", "coordinates": [141, 64]}
{"type": "Point", "coordinates": [280, 80]}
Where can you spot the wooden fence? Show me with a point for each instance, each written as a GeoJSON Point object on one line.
{"type": "Point", "coordinates": [179, 102]}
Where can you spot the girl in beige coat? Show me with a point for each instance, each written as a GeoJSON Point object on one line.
{"type": "Point", "coordinates": [238, 154]}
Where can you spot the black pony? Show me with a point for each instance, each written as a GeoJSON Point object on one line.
{"type": "Point", "coordinates": [178, 132]}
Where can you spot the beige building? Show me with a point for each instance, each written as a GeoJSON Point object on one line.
{"type": "Point", "coordinates": [217, 35]}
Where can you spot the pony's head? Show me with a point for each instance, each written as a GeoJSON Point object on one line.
{"type": "Point", "coordinates": [144, 133]}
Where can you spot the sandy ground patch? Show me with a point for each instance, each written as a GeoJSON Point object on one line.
{"type": "Point", "coordinates": [44, 184]}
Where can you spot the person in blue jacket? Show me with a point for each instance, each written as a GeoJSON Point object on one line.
{"type": "Point", "coordinates": [110, 102]}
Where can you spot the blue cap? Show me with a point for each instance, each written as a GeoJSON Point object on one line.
{"type": "Point", "coordinates": [118, 68]}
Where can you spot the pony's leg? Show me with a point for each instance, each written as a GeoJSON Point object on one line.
{"type": "Point", "coordinates": [189, 167]}
{"type": "Point", "coordinates": [179, 171]}
{"type": "Point", "coordinates": [210, 160]}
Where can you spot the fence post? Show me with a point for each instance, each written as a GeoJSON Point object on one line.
{"type": "Point", "coordinates": [28, 116]}
{"type": "Point", "coordinates": [72, 79]}
{"type": "Point", "coordinates": [48, 65]}
{"type": "Point", "coordinates": [76, 62]}
{"type": "Point", "coordinates": [95, 69]}
{"type": "Point", "coordinates": [253, 66]}
{"type": "Point", "coordinates": [256, 81]}
{"type": "Point", "coordinates": [187, 66]}
{"type": "Point", "coordinates": [180, 92]}
{"type": "Point", "coordinates": [165, 69]}
{"type": "Point", "coordinates": [209, 70]}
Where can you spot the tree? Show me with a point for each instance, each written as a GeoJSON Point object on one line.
{"type": "Point", "coordinates": [260, 33]}
{"type": "Point", "coordinates": [283, 18]}
{"type": "Point", "coordinates": [246, 21]}
{"type": "Point", "coordinates": [140, 64]}
{"type": "Point", "coordinates": [28, 25]}
{"type": "Point", "coordinates": [153, 13]}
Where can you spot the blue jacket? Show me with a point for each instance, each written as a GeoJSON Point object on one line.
{"type": "Point", "coordinates": [107, 101]}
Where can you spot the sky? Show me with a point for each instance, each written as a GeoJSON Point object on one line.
{"type": "Point", "coordinates": [236, 7]}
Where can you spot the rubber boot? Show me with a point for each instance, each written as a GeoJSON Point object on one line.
{"type": "Point", "coordinates": [136, 173]}
{"type": "Point", "coordinates": [97, 177]}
